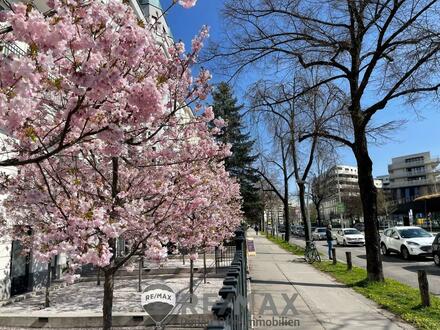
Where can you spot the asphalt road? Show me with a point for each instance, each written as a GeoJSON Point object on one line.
{"type": "Point", "coordinates": [394, 266]}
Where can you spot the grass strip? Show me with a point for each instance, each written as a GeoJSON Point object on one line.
{"type": "Point", "coordinates": [391, 295]}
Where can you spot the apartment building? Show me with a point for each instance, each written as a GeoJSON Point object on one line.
{"type": "Point", "coordinates": [412, 176]}
{"type": "Point", "coordinates": [340, 182]}
{"type": "Point", "coordinates": [383, 182]}
{"type": "Point", "coordinates": [342, 192]}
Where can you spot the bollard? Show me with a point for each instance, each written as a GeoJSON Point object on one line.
{"type": "Point", "coordinates": [349, 263]}
{"type": "Point", "coordinates": [334, 256]}
{"type": "Point", "coordinates": [424, 288]}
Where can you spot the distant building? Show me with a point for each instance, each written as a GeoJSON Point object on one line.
{"type": "Point", "coordinates": [340, 181]}
{"type": "Point", "coordinates": [383, 182]}
{"type": "Point", "coordinates": [343, 191]}
{"type": "Point", "coordinates": [412, 176]}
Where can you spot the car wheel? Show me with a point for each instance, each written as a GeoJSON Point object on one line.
{"type": "Point", "coordinates": [405, 253]}
{"type": "Point", "coordinates": [384, 249]}
{"type": "Point", "coordinates": [437, 259]}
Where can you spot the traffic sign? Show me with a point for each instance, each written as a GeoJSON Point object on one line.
{"type": "Point", "coordinates": [340, 207]}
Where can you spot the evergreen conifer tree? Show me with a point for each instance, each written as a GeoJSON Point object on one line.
{"type": "Point", "coordinates": [239, 164]}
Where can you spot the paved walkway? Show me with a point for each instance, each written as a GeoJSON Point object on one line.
{"type": "Point", "coordinates": [282, 282]}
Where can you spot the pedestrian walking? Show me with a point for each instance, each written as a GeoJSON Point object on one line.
{"type": "Point", "coordinates": [256, 229]}
{"type": "Point", "coordinates": [329, 236]}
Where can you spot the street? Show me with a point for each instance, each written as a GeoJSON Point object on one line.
{"type": "Point", "coordinates": [394, 266]}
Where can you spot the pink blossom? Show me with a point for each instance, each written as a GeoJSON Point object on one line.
{"type": "Point", "coordinates": [187, 3]}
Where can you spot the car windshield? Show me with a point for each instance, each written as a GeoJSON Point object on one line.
{"type": "Point", "coordinates": [321, 230]}
{"type": "Point", "coordinates": [351, 232]}
{"type": "Point", "coordinates": [413, 233]}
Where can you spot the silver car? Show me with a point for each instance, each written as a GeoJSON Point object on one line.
{"type": "Point", "coordinates": [319, 233]}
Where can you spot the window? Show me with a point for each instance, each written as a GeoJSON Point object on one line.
{"type": "Point", "coordinates": [417, 178]}
{"type": "Point", "coordinates": [415, 170]}
{"type": "Point", "coordinates": [414, 159]}
{"type": "Point", "coordinates": [351, 232]}
{"type": "Point", "coordinates": [414, 233]}
{"type": "Point", "coordinates": [387, 232]}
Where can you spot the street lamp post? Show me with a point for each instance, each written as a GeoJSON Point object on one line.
{"type": "Point", "coordinates": [339, 199]}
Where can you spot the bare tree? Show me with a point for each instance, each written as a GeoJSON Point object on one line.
{"type": "Point", "coordinates": [376, 51]}
{"type": "Point", "coordinates": [293, 118]}
{"type": "Point", "coordinates": [326, 156]}
{"type": "Point", "coordinates": [277, 159]}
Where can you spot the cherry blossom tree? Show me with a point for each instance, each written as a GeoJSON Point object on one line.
{"type": "Point", "coordinates": [88, 68]}
{"type": "Point", "coordinates": [93, 116]}
{"type": "Point", "coordinates": [78, 204]}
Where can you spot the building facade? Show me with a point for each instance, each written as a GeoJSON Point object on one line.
{"type": "Point", "coordinates": [412, 176]}
{"type": "Point", "coordinates": [340, 182]}
{"type": "Point", "coordinates": [383, 182]}
{"type": "Point", "coordinates": [342, 200]}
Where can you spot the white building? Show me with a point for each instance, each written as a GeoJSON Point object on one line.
{"type": "Point", "coordinates": [341, 181]}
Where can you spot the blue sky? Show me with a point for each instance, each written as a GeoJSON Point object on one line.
{"type": "Point", "coordinates": [420, 133]}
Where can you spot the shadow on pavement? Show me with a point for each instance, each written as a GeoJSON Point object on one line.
{"type": "Point", "coordinates": [431, 270]}
{"type": "Point", "coordinates": [299, 283]}
{"type": "Point", "coordinates": [395, 258]}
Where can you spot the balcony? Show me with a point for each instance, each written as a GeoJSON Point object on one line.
{"type": "Point", "coordinates": [415, 183]}
{"type": "Point", "coordinates": [12, 48]}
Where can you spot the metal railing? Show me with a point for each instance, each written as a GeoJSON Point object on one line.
{"type": "Point", "coordinates": [224, 256]}
{"type": "Point", "coordinates": [231, 311]}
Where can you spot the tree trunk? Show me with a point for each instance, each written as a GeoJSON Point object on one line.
{"type": "Point", "coordinates": [368, 194]}
{"type": "Point", "coordinates": [141, 265]}
{"type": "Point", "coordinates": [204, 267]}
{"type": "Point", "coordinates": [286, 219]}
{"type": "Point", "coordinates": [107, 305]}
{"type": "Point", "coordinates": [191, 280]}
{"type": "Point", "coordinates": [303, 206]}
{"type": "Point", "coordinates": [48, 280]}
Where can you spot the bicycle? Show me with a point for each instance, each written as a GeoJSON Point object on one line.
{"type": "Point", "coordinates": [311, 254]}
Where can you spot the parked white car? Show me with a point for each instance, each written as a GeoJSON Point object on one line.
{"type": "Point", "coordinates": [407, 241]}
{"type": "Point", "coordinates": [349, 236]}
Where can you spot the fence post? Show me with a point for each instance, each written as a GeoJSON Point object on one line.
{"type": "Point", "coordinates": [424, 288]}
{"type": "Point", "coordinates": [349, 263]}
{"type": "Point", "coordinates": [231, 312]}
{"type": "Point", "coordinates": [334, 256]}
{"type": "Point", "coordinates": [239, 240]}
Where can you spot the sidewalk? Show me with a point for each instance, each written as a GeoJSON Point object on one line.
{"type": "Point", "coordinates": [284, 282]}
